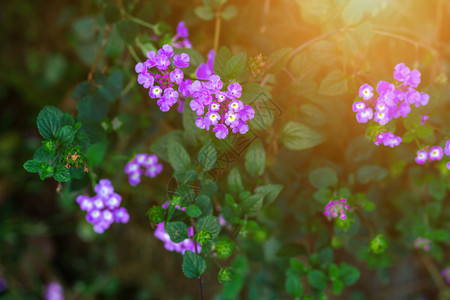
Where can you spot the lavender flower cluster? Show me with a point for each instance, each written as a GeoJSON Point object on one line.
{"type": "Point", "coordinates": [388, 139]}
{"type": "Point", "coordinates": [181, 247]}
{"type": "Point", "coordinates": [104, 208]}
{"type": "Point", "coordinates": [222, 108]}
{"type": "Point", "coordinates": [393, 100]}
{"type": "Point", "coordinates": [336, 208]}
{"type": "Point", "coordinates": [183, 34]}
{"type": "Point", "coordinates": [161, 73]}
{"type": "Point", "coordinates": [446, 274]}
{"type": "Point", "coordinates": [142, 164]}
{"type": "Point", "coordinates": [422, 243]}
{"type": "Point", "coordinates": [434, 154]}
{"type": "Point", "coordinates": [54, 291]}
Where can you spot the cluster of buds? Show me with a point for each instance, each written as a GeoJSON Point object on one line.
{"type": "Point", "coordinates": [258, 65]}
{"type": "Point", "coordinates": [336, 209]}
{"type": "Point", "coordinates": [422, 243]}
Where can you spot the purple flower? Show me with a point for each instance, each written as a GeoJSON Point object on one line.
{"type": "Point", "coordinates": [366, 91]}
{"type": "Point", "coordinates": [181, 60]}
{"type": "Point", "coordinates": [423, 118]}
{"type": "Point", "coordinates": [436, 153]}
{"type": "Point", "coordinates": [214, 106]}
{"type": "Point", "coordinates": [139, 68]}
{"type": "Point", "coordinates": [113, 201]}
{"type": "Point", "coordinates": [86, 203]}
{"type": "Point", "coordinates": [213, 118]}
{"type": "Point", "coordinates": [447, 148]}
{"type": "Point", "coordinates": [182, 31]}
{"type": "Point", "coordinates": [155, 92]}
{"type": "Point", "coordinates": [382, 118]}
{"type": "Point", "coordinates": [131, 167]}
{"type": "Point", "coordinates": [336, 208]}
{"type": "Point", "coordinates": [197, 107]}
{"type": "Point", "coordinates": [166, 50]}
{"type": "Point", "coordinates": [204, 71]}
{"type": "Point", "coordinates": [176, 76]}
{"type": "Point", "coordinates": [180, 247]}
{"type": "Point", "coordinates": [422, 243]}
{"type": "Point", "coordinates": [365, 115]}
{"type": "Point", "coordinates": [231, 119]}
{"type": "Point", "coordinates": [200, 123]}
{"type": "Point", "coordinates": [134, 178]}
{"type": "Point", "coordinates": [446, 274]}
{"type": "Point", "coordinates": [401, 72]}
{"type": "Point", "coordinates": [413, 79]}
{"type": "Point", "coordinates": [247, 113]}
{"type": "Point", "coordinates": [104, 188]}
{"type": "Point", "coordinates": [162, 61]}
{"type": "Point", "coordinates": [421, 157]}
{"type": "Point", "coordinates": [146, 80]}
{"type": "Point", "coordinates": [448, 165]}
{"type": "Point", "coordinates": [214, 83]}
{"type": "Point", "coordinates": [221, 131]}
{"type": "Point", "coordinates": [391, 140]}
{"type": "Point", "coordinates": [241, 127]}
{"type": "Point", "coordinates": [236, 105]}
{"type": "Point", "coordinates": [234, 90]}
{"type": "Point", "coordinates": [54, 291]}
{"type": "Point", "coordinates": [121, 215]}
{"type": "Point", "coordinates": [358, 106]}
{"type": "Point", "coordinates": [154, 170]}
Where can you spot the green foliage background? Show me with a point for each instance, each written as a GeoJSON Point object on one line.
{"type": "Point", "coordinates": [321, 51]}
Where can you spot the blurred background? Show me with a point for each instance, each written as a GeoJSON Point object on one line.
{"type": "Point", "coordinates": [49, 47]}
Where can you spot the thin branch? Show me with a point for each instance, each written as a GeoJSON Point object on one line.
{"type": "Point", "coordinates": [217, 32]}
{"type": "Point", "coordinates": [100, 52]}
{"type": "Point", "coordinates": [405, 39]}
{"type": "Point", "coordinates": [316, 39]}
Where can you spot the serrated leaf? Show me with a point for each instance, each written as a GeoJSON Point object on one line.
{"type": "Point", "coordinates": [204, 13]}
{"type": "Point", "coordinates": [193, 211]}
{"type": "Point", "coordinates": [334, 84]}
{"type": "Point", "coordinates": [210, 223]}
{"type": "Point", "coordinates": [48, 121]}
{"type": "Point", "coordinates": [66, 135]}
{"type": "Point", "coordinates": [294, 286]}
{"type": "Point", "coordinates": [42, 156]}
{"type": "Point", "coordinates": [279, 59]}
{"type": "Point", "coordinates": [32, 166]}
{"type": "Point", "coordinates": [323, 177]}
{"type": "Point", "coordinates": [317, 279]}
{"type": "Point", "coordinates": [178, 156]}
{"type": "Point", "coordinates": [269, 191]}
{"type": "Point", "coordinates": [235, 66]}
{"type": "Point", "coordinates": [255, 159]}
{"type": "Point", "coordinates": [253, 92]}
{"type": "Point", "coordinates": [297, 136]}
{"type": "Point", "coordinates": [234, 181]}
{"type": "Point", "coordinates": [223, 55]}
{"type": "Point", "coordinates": [177, 231]}
{"type": "Point", "coordinates": [193, 265]}
{"type": "Point", "coordinates": [252, 205]}
{"type": "Point", "coordinates": [61, 174]}
{"type": "Point", "coordinates": [207, 157]}
{"type": "Point", "coordinates": [204, 202]}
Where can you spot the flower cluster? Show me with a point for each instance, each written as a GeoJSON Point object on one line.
{"type": "Point", "coordinates": [422, 243]}
{"type": "Point", "coordinates": [161, 73]}
{"type": "Point", "coordinates": [434, 154]}
{"type": "Point", "coordinates": [446, 274]}
{"type": "Point", "coordinates": [223, 108]}
{"type": "Point", "coordinates": [388, 139]}
{"type": "Point", "coordinates": [183, 34]}
{"type": "Point", "coordinates": [180, 247]}
{"type": "Point", "coordinates": [390, 101]}
{"type": "Point", "coordinates": [336, 208]}
{"type": "Point", "coordinates": [142, 164]}
{"type": "Point", "coordinates": [54, 291]}
{"type": "Point", "coordinates": [103, 209]}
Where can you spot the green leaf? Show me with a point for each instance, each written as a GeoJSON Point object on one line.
{"type": "Point", "coordinates": [207, 157]}
{"type": "Point", "coordinates": [279, 59]}
{"type": "Point", "coordinates": [66, 135]}
{"type": "Point", "coordinates": [424, 131]}
{"type": "Point", "coordinates": [177, 231]}
{"type": "Point", "coordinates": [252, 205]}
{"type": "Point", "coordinates": [48, 121]}
{"type": "Point", "coordinates": [412, 121]}
{"type": "Point", "coordinates": [353, 12]}
{"type": "Point", "coordinates": [323, 195]}
{"type": "Point", "coordinates": [366, 174]}
{"type": "Point", "coordinates": [32, 166]}
{"type": "Point", "coordinates": [111, 13]}
{"type": "Point", "coordinates": [294, 286]}
{"type": "Point", "coordinates": [348, 274]}
{"type": "Point", "coordinates": [337, 287]}
{"type": "Point", "coordinates": [210, 223]}
{"type": "Point", "coordinates": [178, 156]}
{"type": "Point", "coordinates": [323, 53]}
{"type": "Point", "coordinates": [334, 84]}
{"type": "Point", "coordinates": [255, 159]}
{"type": "Point", "coordinates": [204, 202]}
{"type": "Point", "coordinates": [235, 66]}
{"type": "Point", "coordinates": [408, 137]}
{"type": "Point", "coordinates": [222, 57]}
{"type": "Point", "coordinates": [193, 265]}
{"type": "Point", "coordinates": [42, 156]}
{"type": "Point", "coordinates": [296, 136]}
{"type": "Point", "coordinates": [269, 191]}
{"type": "Point", "coordinates": [323, 177]}
{"type": "Point", "coordinates": [127, 30]}
{"type": "Point", "coordinates": [291, 250]}
{"type": "Point", "coordinates": [234, 181]}
{"type": "Point", "coordinates": [333, 272]}
{"type": "Point", "coordinates": [161, 145]}
{"type": "Point", "coordinates": [92, 108]}
{"type": "Point", "coordinates": [61, 174]}
{"type": "Point", "coordinates": [229, 12]}
{"type": "Point", "coordinates": [204, 13]}
{"type": "Point", "coordinates": [364, 33]}
{"type": "Point", "coordinates": [193, 211]}
{"type": "Point", "coordinates": [440, 235]}
{"type": "Point", "coordinates": [252, 92]}
{"type": "Point", "coordinates": [349, 47]}
{"type": "Point", "coordinates": [317, 279]}
{"type": "Point", "coordinates": [437, 189]}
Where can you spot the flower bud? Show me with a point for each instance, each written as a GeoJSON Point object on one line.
{"type": "Point", "coordinates": [203, 237]}
{"type": "Point", "coordinates": [378, 244]}
{"type": "Point", "coordinates": [225, 275]}
{"type": "Point", "coordinates": [156, 214]}
{"type": "Point", "coordinates": [224, 248]}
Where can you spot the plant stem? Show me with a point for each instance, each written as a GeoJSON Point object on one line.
{"type": "Point", "coordinates": [403, 38]}
{"type": "Point", "coordinates": [143, 23]}
{"type": "Point", "coordinates": [434, 272]}
{"type": "Point", "coordinates": [99, 53]}
{"type": "Point", "coordinates": [133, 53]}
{"type": "Point", "coordinates": [316, 39]}
{"type": "Point", "coordinates": [217, 32]}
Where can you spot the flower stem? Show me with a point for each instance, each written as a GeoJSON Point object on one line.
{"type": "Point", "coordinates": [99, 53]}
{"type": "Point", "coordinates": [133, 53]}
{"type": "Point", "coordinates": [143, 23]}
{"type": "Point", "coordinates": [217, 32]}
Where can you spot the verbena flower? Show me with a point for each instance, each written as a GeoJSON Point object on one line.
{"type": "Point", "coordinates": [142, 164]}
{"type": "Point", "coordinates": [421, 157]}
{"type": "Point", "coordinates": [336, 209]}
{"type": "Point", "coordinates": [183, 34]}
{"type": "Point", "coordinates": [388, 139]}
{"type": "Point", "coordinates": [447, 148]}
{"type": "Point", "coordinates": [422, 243]}
{"type": "Point", "coordinates": [161, 73]}
{"type": "Point", "coordinates": [54, 291]}
{"type": "Point", "coordinates": [104, 208]}
{"type": "Point", "coordinates": [218, 108]}
{"type": "Point", "coordinates": [436, 153]}
{"type": "Point", "coordinates": [204, 71]}
{"type": "Point", "coordinates": [446, 274]}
